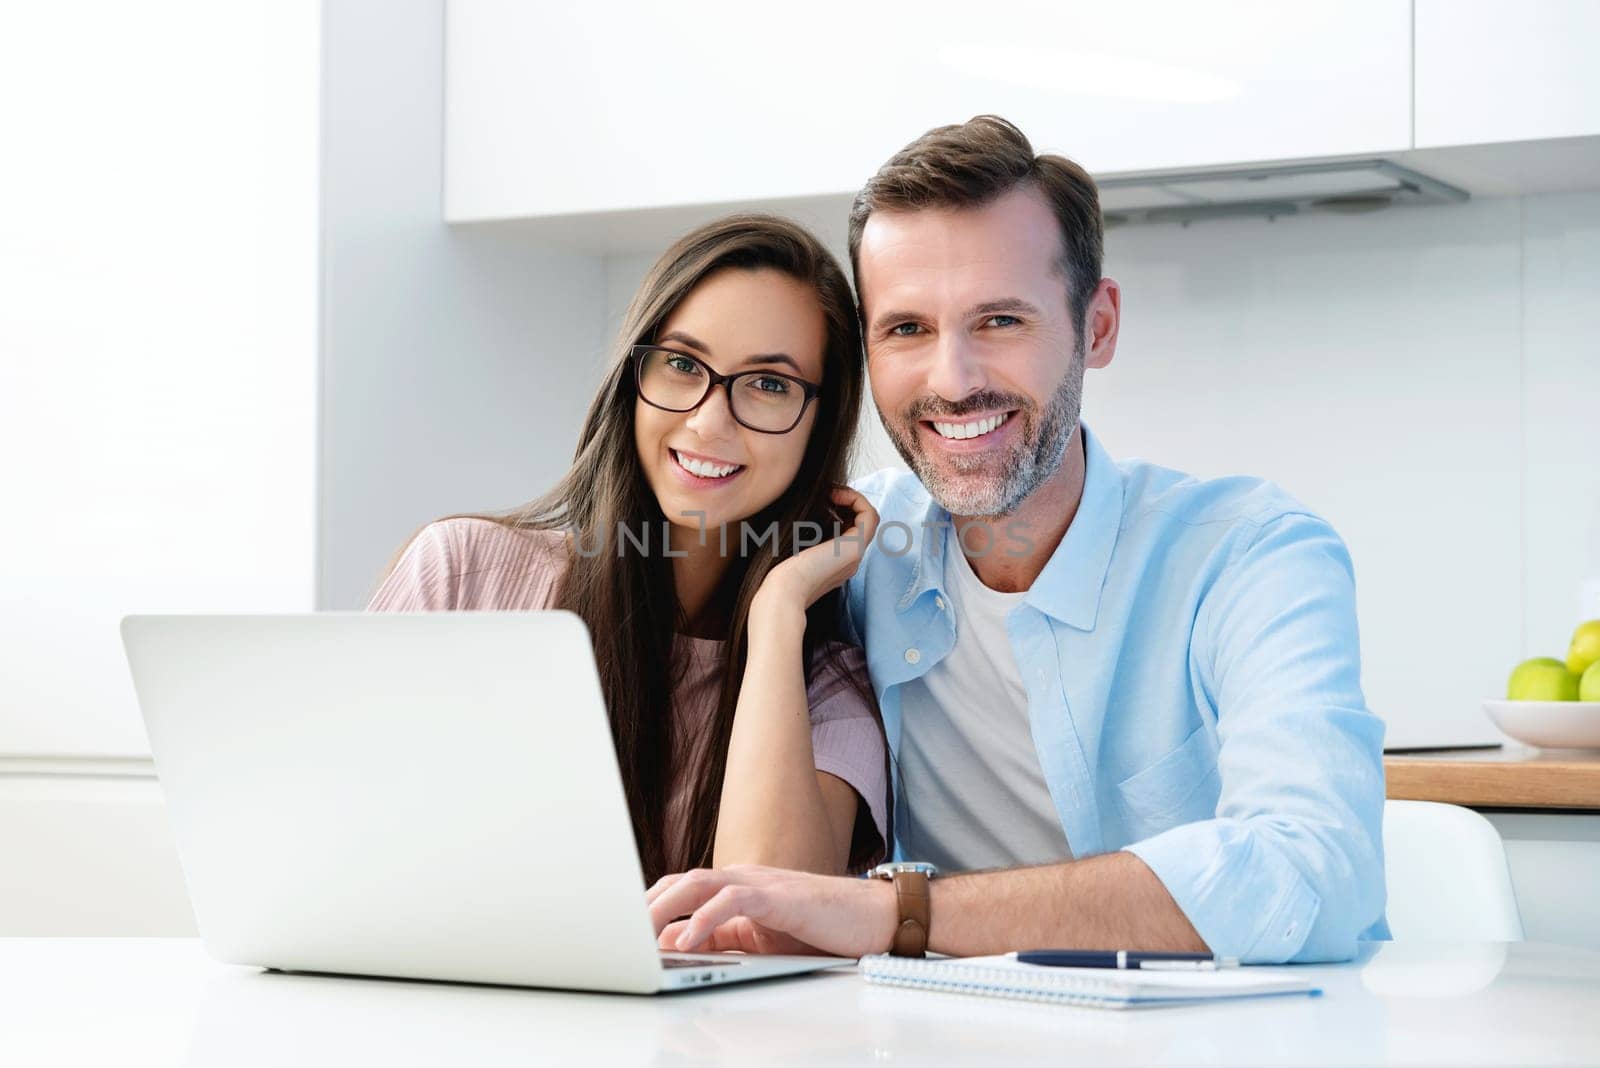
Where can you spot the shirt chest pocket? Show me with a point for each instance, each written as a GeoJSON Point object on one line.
{"type": "Point", "coordinates": [1180, 787]}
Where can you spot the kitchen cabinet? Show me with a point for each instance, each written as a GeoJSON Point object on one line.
{"type": "Point", "coordinates": [568, 109]}
{"type": "Point", "coordinates": [1506, 70]}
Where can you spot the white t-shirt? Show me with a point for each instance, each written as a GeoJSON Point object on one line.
{"type": "Point", "coordinates": [974, 795]}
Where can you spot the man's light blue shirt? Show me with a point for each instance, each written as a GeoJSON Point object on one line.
{"type": "Point", "coordinates": [1192, 667]}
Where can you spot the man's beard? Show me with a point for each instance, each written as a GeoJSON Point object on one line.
{"type": "Point", "coordinates": [957, 483]}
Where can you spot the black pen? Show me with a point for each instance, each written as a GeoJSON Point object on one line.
{"type": "Point", "coordinates": [1124, 958]}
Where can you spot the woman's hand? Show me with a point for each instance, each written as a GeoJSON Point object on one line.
{"type": "Point", "coordinates": [801, 580]}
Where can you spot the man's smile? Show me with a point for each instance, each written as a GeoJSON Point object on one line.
{"type": "Point", "coordinates": [969, 434]}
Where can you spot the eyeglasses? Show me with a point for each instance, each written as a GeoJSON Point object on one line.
{"type": "Point", "coordinates": [764, 401]}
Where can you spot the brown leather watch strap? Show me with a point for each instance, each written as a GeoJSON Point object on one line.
{"type": "Point", "coordinates": [911, 935]}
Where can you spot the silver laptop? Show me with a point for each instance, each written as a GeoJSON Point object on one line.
{"type": "Point", "coordinates": [429, 796]}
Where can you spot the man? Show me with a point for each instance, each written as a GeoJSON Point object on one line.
{"type": "Point", "coordinates": [1132, 695]}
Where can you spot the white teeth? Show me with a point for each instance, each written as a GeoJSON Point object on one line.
{"type": "Point", "coordinates": [960, 431]}
{"type": "Point", "coordinates": [704, 469]}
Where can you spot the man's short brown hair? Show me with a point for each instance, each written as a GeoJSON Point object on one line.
{"type": "Point", "coordinates": [970, 165]}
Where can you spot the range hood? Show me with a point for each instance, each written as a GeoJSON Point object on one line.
{"type": "Point", "coordinates": [1349, 186]}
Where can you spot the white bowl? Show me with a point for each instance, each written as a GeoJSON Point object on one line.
{"type": "Point", "coordinates": [1549, 724]}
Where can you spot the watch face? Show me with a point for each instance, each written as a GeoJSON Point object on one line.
{"type": "Point", "coordinates": [888, 871]}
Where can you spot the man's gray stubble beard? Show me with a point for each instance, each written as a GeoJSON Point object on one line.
{"type": "Point", "coordinates": [1022, 474]}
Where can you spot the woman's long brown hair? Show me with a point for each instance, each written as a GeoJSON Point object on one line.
{"type": "Point", "coordinates": [629, 600]}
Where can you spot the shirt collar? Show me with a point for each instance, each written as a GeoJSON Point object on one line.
{"type": "Point", "coordinates": [927, 569]}
{"type": "Point", "coordinates": [1069, 587]}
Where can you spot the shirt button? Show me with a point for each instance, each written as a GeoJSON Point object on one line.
{"type": "Point", "coordinates": [938, 602]}
{"type": "Point", "coordinates": [913, 656]}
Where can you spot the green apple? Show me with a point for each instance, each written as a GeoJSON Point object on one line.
{"type": "Point", "coordinates": [1589, 683]}
{"type": "Point", "coordinates": [1585, 648]}
{"type": "Point", "coordinates": [1543, 678]}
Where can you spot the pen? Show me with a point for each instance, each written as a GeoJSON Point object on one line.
{"type": "Point", "coordinates": [1122, 958]}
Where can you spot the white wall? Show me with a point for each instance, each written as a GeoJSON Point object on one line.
{"type": "Point", "coordinates": [1427, 378]}
{"type": "Point", "coordinates": [158, 371]}
{"type": "Point", "coordinates": [158, 265]}
{"type": "Point", "coordinates": [87, 850]}
{"type": "Point", "coordinates": [1555, 867]}
{"type": "Point", "coordinates": [169, 438]}
{"type": "Point", "coordinates": [456, 361]}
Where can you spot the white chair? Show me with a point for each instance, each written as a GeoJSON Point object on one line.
{"type": "Point", "coordinates": [1447, 875]}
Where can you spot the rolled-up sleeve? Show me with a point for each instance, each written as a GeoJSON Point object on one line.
{"type": "Point", "coordinates": [1291, 867]}
{"type": "Point", "coordinates": [847, 736]}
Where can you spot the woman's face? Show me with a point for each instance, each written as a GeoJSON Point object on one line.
{"type": "Point", "coordinates": [703, 461]}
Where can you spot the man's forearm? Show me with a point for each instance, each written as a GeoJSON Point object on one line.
{"type": "Point", "coordinates": [1112, 901]}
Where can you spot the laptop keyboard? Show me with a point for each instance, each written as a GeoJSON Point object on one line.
{"type": "Point", "coordinates": [697, 962]}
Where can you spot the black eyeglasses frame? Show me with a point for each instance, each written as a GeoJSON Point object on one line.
{"type": "Point", "coordinates": [809, 390]}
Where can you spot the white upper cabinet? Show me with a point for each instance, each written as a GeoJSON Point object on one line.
{"type": "Point", "coordinates": [571, 108]}
{"type": "Point", "coordinates": [1506, 70]}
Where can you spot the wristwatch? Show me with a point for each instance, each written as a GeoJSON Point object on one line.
{"type": "Point", "coordinates": [910, 878]}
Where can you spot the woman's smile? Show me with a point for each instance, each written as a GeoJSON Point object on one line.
{"type": "Point", "coordinates": [700, 470]}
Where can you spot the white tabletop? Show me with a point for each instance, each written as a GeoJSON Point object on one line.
{"type": "Point", "coordinates": [122, 1002]}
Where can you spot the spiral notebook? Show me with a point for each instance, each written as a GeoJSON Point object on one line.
{"type": "Point", "coordinates": [1107, 988]}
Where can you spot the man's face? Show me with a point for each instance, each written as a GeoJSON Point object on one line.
{"type": "Point", "coordinates": [976, 364]}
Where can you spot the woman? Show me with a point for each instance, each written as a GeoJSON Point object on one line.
{"type": "Point", "coordinates": [715, 449]}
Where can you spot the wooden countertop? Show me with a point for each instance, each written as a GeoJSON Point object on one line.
{"type": "Point", "coordinates": [1509, 777]}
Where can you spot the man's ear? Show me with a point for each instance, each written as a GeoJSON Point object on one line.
{"type": "Point", "coordinates": [1101, 322]}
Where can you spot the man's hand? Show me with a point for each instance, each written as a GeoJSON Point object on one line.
{"type": "Point", "coordinates": [771, 910]}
